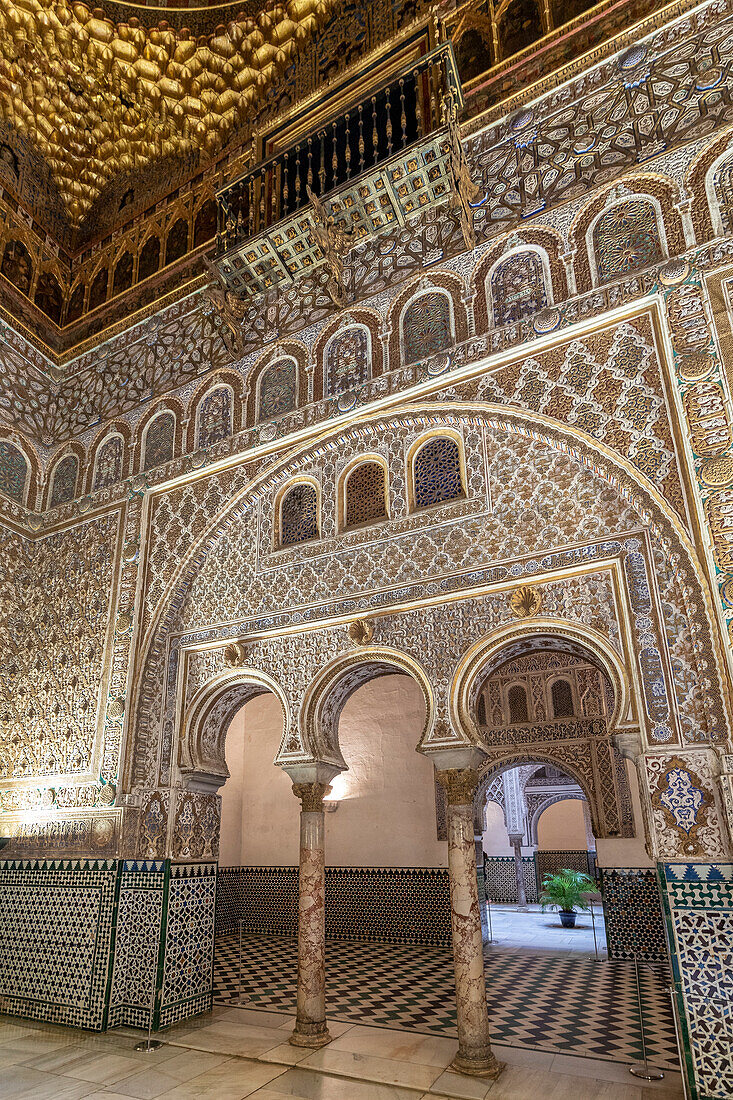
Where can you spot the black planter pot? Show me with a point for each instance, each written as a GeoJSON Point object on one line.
{"type": "Point", "coordinates": [567, 918]}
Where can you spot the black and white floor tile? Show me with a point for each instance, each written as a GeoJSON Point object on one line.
{"type": "Point", "coordinates": [561, 1004]}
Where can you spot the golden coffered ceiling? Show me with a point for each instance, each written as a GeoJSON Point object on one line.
{"type": "Point", "coordinates": [99, 98]}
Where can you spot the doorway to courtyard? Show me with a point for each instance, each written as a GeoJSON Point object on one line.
{"type": "Point", "coordinates": [536, 836]}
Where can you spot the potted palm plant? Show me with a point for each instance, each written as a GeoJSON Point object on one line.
{"type": "Point", "coordinates": [565, 891]}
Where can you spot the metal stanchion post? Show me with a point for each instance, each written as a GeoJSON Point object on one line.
{"type": "Point", "coordinates": [240, 999]}
{"type": "Point", "coordinates": [593, 918]}
{"type": "Point", "coordinates": [148, 1045]}
{"type": "Point", "coordinates": [680, 1051]}
{"type": "Point", "coordinates": [643, 1071]}
{"type": "Point", "coordinates": [491, 930]}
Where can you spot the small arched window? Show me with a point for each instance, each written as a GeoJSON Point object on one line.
{"type": "Point", "coordinates": [426, 326]}
{"type": "Point", "coordinates": [215, 416]}
{"type": "Point", "coordinates": [277, 389]}
{"type": "Point", "coordinates": [518, 288]}
{"type": "Point", "coordinates": [122, 279]}
{"type": "Point", "coordinates": [159, 440]}
{"type": "Point", "coordinates": [176, 244]}
{"type": "Point", "coordinates": [437, 472]}
{"type": "Point", "coordinates": [13, 471]}
{"type": "Point", "coordinates": [48, 297]}
{"type": "Point", "coordinates": [562, 699]}
{"type": "Point", "coordinates": [17, 266]}
{"type": "Point", "coordinates": [149, 259]}
{"type": "Point", "coordinates": [108, 467]}
{"type": "Point", "coordinates": [98, 293]}
{"type": "Point", "coordinates": [348, 361]}
{"type": "Point", "coordinates": [299, 514]}
{"type": "Point", "coordinates": [63, 485]}
{"type": "Point", "coordinates": [366, 498]}
{"type": "Point", "coordinates": [626, 239]}
{"type": "Point", "coordinates": [76, 304]}
{"type": "Point", "coordinates": [518, 712]}
{"type": "Point", "coordinates": [204, 227]}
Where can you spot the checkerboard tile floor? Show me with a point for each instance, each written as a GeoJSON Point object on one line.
{"type": "Point", "coordinates": [560, 1004]}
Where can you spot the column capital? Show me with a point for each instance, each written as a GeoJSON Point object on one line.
{"type": "Point", "coordinates": [311, 795]}
{"type": "Point", "coordinates": [459, 785]}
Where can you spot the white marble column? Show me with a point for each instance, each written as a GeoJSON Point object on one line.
{"type": "Point", "coordinates": [515, 839]}
{"type": "Point", "coordinates": [310, 1023]}
{"type": "Point", "coordinates": [474, 1055]}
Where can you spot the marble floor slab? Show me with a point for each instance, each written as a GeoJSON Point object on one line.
{"type": "Point", "coordinates": [364, 1063]}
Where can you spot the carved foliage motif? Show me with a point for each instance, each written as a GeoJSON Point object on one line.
{"type": "Point", "coordinates": [277, 389]}
{"type": "Point", "coordinates": [518, 288]}
{"type": "Point", "coordinates": [626, 239]}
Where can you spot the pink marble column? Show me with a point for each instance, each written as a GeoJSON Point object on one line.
{"type": "Point", "coordinates": [310, 1024]}
{"type": "Point", "coordinates": [474, 1056]}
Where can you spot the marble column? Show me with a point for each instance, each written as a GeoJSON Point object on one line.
{"type": "Point", "coordinates": [515, 839]}
{"type": "Point", "coordinates": [474, 1056]}
{"type": "Point", "coordinates": [310, 1023]}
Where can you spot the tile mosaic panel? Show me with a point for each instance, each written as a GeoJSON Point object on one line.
{"type": "Point", "coordinates": [137, 942]}
{"type": "Point", "coordinates": [698, 905]}
{"type": "Point", "coordinates": [382, 904]}
{"type": "Point", "coordinates": [189, 942]}
{"type": "Point", "coordinates": [501, 879]}
{"type": "Point", "coordinates": [549, 861]}
{"type": "Point", "coordinates": [633, 913]}
{"type": "Point", "coordinates": [57, 919]}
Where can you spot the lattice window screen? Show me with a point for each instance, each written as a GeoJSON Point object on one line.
{"type": "Point", "coordinates": [365, 494]}
{"type": "Point", "coordinates": [437, 472]}
{"type": "Point", "coordinates": [299, 515]}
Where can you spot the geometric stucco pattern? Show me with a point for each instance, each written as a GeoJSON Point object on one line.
{"type": "Point", "coordinates": [54, 650]}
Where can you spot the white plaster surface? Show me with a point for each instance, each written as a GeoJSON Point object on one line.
{"type": "Point", "coordinates": [386, 814]}
{"type": "Point", "coordinates": [562, 826]}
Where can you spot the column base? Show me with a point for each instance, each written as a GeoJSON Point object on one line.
{"type": "Point", "coordinates": [483, 1066]}
{"type": "Point", "coordinates": [310, 1035]}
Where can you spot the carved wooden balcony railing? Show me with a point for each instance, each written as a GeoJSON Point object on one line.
{"type": "Point", "coordinates": [379, 161]}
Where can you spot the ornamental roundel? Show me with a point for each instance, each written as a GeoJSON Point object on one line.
{"type": "Point", "coordinates": [277, 389]}
{"type": "Point", "coordinates": [347, 361]}
{"type": "Point", "coordinates": [299, 515]}
{"type": "Point", "coordinates": [518, 288]}
{"type": "Point", "coordinates": [437, 472]}
{"type": "Point", "coordinates": [13, 471]}
{"type": "Point", "coordinates": [63, 486]}
{"type": "Point", "coordinates": [426, 326]}
{"type": "Point", "coordinates": [215, 416]}
{"type": "Point", "coordinates": [626, 239]}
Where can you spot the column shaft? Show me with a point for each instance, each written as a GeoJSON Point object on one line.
{"type": "Point", "coordinates": [516, 843]}
{"type": "Point", "coordinates": [474, 1056]}
{"type": "Point", "coordinates": [310, 1024]}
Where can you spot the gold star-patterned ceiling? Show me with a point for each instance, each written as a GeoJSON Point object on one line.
{"type": "Point", "coordinates": [99, 97]}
